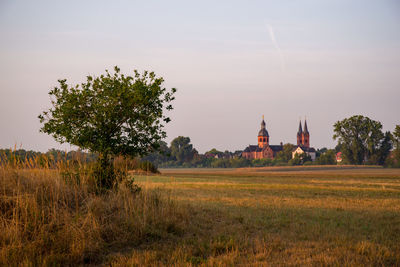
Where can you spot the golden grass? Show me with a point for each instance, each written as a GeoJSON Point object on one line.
{"type": "Point", "coordinates": [259, 217]}
{"type": "Point", "coordinates": [271, 217]}
{"type": "Point", "coordinates": [45, 221]}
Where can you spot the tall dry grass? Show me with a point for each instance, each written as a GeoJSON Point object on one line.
{"type": "Point", "coordinates": [53, 217]}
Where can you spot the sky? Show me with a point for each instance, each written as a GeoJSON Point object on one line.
{"type": "Point", "coordinates": [231, 62]}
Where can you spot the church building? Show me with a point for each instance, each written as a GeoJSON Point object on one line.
{"type": "Point", "coordinates": [303, 142]}
{"type": "Point", "coordinates": [263, 149]}
{"type": "Point", "coordinates": [266, 151]}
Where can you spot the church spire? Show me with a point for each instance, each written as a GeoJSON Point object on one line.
{"type": "Point", "coordinates": [305, 127]}
{"type": "Point", "coordinates": [263, 131]}
{"type": "Point", "coordinates": [262, 123]}
{"type": "Point", "coordinates": [305, 136]}
{"type": "Point", "coordinates": [300, 129]}
{"type": "Point", "coordinates": [263, 136]}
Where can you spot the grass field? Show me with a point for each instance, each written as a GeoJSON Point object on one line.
{"type": "Point", "coordinates": [281, 216]}
{"type": "Point", "coordinates": [276, 216]}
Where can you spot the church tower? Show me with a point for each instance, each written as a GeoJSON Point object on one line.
{"type": "Point", "coordinates": [306, 136]}
{"type": "Point", "coordinates": [303, 136]}
{"type": "Point", "coordinates": [263, 136]}
{"type": "Point", "coordinates": [299, 135]}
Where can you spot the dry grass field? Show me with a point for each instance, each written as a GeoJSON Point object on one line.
{"type": "Point", "coordinates": [278, 216]}
{"type": "Point", "coordinates": [281, 216]}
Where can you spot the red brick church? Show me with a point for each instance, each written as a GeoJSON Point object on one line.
{"type": "Point", "coordinates": [303, 142]}
{"type": "Point", "coordinates": [263, 149]}
{"type": "Point", "coordinates": [303, 137]}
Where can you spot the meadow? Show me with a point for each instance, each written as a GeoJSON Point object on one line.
{"type": "Point", "coordinates": [288, 216]}
{"type": "Point", "coordinates": [275, 216]}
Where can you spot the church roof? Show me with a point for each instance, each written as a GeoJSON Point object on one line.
{"type": "Point", "coordinates": [255, 148]}
{"type": "Point", "coordinates": [276, 148]}
{"type": "Point", "coordinates": [306, 149]}
{"type": "Point", "coordinates": [263, 131]}
{"type": "Point", "coordinates": [252, 148]}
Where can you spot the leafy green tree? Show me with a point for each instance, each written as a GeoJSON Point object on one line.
{"type": "Point", "coordinates": [395, 158]}
{"type": "Point", "coordinates": [326, 158]}
{"type": "Point", "coordinates": [321, 151]}
{"type": "Point", "coordinates": [297, 160]}
{"type": "Point", "coordinates": [286, 154]}
{"type": "Point", "coordinates": [239, 162]}
{"type": "Point", "coordinates": [338, 148]}
{"type": "Point", "coordinates": [112, 114]}
{"type": "Point", "coordinates": [182, 149]}
{"type": "Point", "coordinates": [360, 139]}
{"type": "Point", "coordinates": [214, 152]}
{"type": "Point", "coordinates": [305, 158]}
{"type": "Point", "coordinates": [220, 163]}
{"type": "Point", "coordinates": [385, 146]}
{"type": "Point", "coordinates": [227, 154]}
{"type": "Point", "coordinates": [396, 137]}
{"type": "Point", "coordinates": [159, 156]}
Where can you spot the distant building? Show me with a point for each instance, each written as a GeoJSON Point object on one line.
{"type": "Point", "coordinates": [263, 150]}
{"type": "Point", "coordinates": [308, 150]}
{"type": "Point", "coordinates": [339, 157]}
{"type": "Point", "coordinates": [266, 151]}
{"type": "Point", "coordinates": [303, 142]}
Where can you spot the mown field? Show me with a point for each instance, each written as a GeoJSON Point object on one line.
{"type": "Point", "coordinates": [282, 216]}
{"type": "Point", "coordinates": [276, 216]}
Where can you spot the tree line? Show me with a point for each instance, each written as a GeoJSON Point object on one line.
{"type": "Point", "coordinates": [181, 153]}
{"type": "Point", "coordinates": [360, 140]}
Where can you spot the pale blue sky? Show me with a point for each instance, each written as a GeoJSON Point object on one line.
{"type": "Point", "coordinates": [331, 60]}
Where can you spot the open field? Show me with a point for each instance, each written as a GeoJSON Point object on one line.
{"type": "Point", "coordinates": [282, 216]}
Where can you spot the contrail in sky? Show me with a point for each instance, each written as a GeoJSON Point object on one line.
{"type": "Point", "coordinates": [273, 39]}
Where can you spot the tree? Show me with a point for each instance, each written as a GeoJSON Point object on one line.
{"type": "Point", "coordinates": [361, 140]}
{"type": "Point", "coordinates": [395, 159]}
{"type": "Point", "coordinates": [384, 148]}
{"type": "Point", "coordinates": [159, 156]}
{"type": "Point", "coordinates": [328, 157]}
{"type": "Point", "coordinates": [214, 152]}
{"type": "Point", "coordinates": [182, 150]}
{"type": "Point", "coordinates": [396, 137]}
{"type": "Point", "coordinates": [296, 160]}
{"type": "Point", "coordinates": [112, 115]}
{"type": "Point", "coordinates": [286, 154]}
{"type": "Point", "coordinates": [321, 151]}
